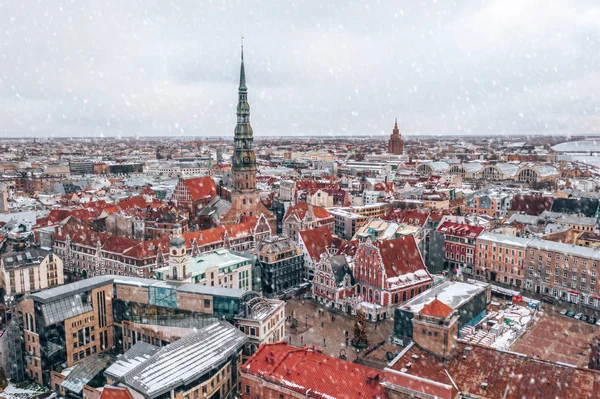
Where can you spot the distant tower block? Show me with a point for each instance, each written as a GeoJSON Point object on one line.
{"type": "Point", "coordinates": [3, 199]}
{"type": "Point", "coordinates": [396, 144]}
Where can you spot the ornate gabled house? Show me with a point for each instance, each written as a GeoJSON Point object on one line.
{"type": "Point", "coordinates": [314, 243]}
{"type": "Point", "coordinates": [194, 193]}
{"type": "Point", "coordinates": [303, 216]}
{"type": "Point", "coordinates": [87, 253]}
{"type": "Point", "coordinates": [245, 198]}
{"type": "Point", "coordinates": [388, 273]}
{"type": "Point", "coordinates": [333, 284]}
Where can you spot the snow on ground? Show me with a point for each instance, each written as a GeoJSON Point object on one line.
{"type": "Point", "coordinates": [499, 329]}
{"type": "Point", "coordinates": [31, 391]}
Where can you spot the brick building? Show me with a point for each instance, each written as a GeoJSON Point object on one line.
{"type": "Point", "coordinates": [303, 216]}
{"type": "Point", "coordinates": [388, 273]}
{"type": "Point", "coordinates": [459, 245]}
{"type": "Point", "coordinates": [194, 193]}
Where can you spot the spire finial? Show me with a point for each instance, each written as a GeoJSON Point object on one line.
{"type": "Point", "coordinates": [242, 70]}
{"type": "Point", "coordinates": [396, 123]}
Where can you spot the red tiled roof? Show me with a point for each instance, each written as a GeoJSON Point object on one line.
{"type": "Point", "coordinates": [436, 308]}
{"type": "Point", "coordinates": [101, 204]}
{"type": "Point", "coordinates": [58, 215]}
{"type": "Point", "coordinates": [411, 217]}
{"type": "Point", "coordinates": [400, 256]}
{"type": "Point", "coordinates": [209, 236]}
{"type": "Point", "coordinates": [487, 373]}
{"type": "Point", "coordinates": [301, 369]}
{"type": "Point", "coordinates": [460, 229]}
{"type": "Point", "coordinates": [345, 247]}
{"type": "Point", "coordinates": [131, 202]}
{"type": "Point", "coordinates": [305, 185]}
{"type": "Point", "coordinates": [316, 241]}
{"type": "Point", "coordinates": [301, 208]}
{"type": "Point", "coordinates": [110, 392]}
{"type": "Point", "coordinates": [201, 187]}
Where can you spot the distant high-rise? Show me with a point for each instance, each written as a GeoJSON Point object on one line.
{"type": "Point", "coordinates": [396, 144]}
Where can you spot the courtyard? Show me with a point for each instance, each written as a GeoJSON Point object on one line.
{"type": "Point", "coordinates": [317, 327]}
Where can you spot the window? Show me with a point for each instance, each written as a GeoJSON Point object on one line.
{"type": "Point", "coordinates": [248, 389]}
{"type": "Point", "coordinates": [207, 303]}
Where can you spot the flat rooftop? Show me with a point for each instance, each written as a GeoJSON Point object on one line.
{"type": "Point", "coordinates": [452, 293]}
{"type": "Point", "coordinates": [221, 258]}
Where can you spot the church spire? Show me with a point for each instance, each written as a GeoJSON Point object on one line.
{"type": "Point", "coordinates": [242, 71]}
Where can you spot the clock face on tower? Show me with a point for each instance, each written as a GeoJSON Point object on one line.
{"type": "Point", "coordinates": [246, 159]}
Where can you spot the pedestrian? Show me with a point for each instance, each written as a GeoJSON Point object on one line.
{"type": "Point", "coordinates": [322, 324]}
{"type": "Point", "coordinates": [302, 340]}
{"type": "Point", "coordinates": [324, 343]}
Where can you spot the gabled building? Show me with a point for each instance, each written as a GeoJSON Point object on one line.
{"type": "Point", "coordinates": [334, 285]}
{"type": "Point", "coordinates": [314, 243]}
{"type": "Point", "coordinates": [305, 217]}
{"type": "Point", "coordinates": [194, 193]}
{"type": "Point", "coordinates": [388, 273]}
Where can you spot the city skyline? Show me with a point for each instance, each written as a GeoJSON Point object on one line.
{"type": "Point", "coordinates": [163, 69]}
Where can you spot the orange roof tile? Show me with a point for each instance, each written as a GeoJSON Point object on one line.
{"type": "Point", "coordinates": [201, 187]}
{"type": "Point", "coordinates": [110, 392]}
{"type": "Point", "coordinates": [316, 241]}
{"type": "Point", "coordinates": [436, 308]}
{"type": "Point", "coordinates": [301, 369]}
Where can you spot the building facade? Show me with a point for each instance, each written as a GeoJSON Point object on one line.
{"type": "Point", "coordinates": [32, 270]}
{"type": "Point", "coordinates": [396, 144]}
{"type": "Point", "coordinates": [281, 265]}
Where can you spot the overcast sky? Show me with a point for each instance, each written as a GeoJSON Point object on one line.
{"type": "Point", "coordinates": [325, 67]}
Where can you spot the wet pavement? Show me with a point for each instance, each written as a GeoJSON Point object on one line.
{"type": "Point", "coordinates": [316, 327]}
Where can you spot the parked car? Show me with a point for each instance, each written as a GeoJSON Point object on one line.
{"type": "Point", "coordinates": [563, 312]}
{"type": "Point", "coordinates": [598, 323]}
{"type": "Point", "coordinates": [307, 296]}
{"type": "Point", "coordinates": [547, 299]}
{"type": "Point", "coordinates": [584, 317]}
{"type": "Point", "coordinates": [578, 316]}
{"type": "Point", "coordinates": [592, 320]}
{"type": "Point", "coordinates": [570, 313]}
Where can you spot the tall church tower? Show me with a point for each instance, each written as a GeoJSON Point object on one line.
{"type": "Point", "coordinates": [243, 166]}
{"type": "Point", "coordinates": [396, 144]}
{"type": "Point", "coordinates": [245, 198]}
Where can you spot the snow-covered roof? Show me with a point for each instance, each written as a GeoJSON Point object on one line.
{"type": "Point", "coordinates": [137, 354]}
{"type": "Point", "coordinates": [578, 146]}
{"type": "Point", "coordinates": [507, 169]}
{"type": "Point", "coordinates": [186, 360]}
{"type": "Point", "coordinates": [452, 293]}
{"type": "Point", "coordinates": [503, 239]}
{"type": "Point", "coordinates": [472, 167]}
